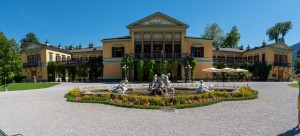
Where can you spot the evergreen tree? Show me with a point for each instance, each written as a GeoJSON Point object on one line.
{"type": "Point", "coordinates": [232, 38]}
{"type": "Point", "coordinates": [30, 38]}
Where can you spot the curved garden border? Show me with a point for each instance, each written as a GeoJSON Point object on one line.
{"type": "Point", "coordinates": [178, 102]}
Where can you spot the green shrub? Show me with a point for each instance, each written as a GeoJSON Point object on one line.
{"type": "Point", "coordinates": [105, 97]}
{"type": "Point", "coordinates": [237, 94]}
{"type": "Point", "coordinates": [87, 97]}
{"type": "Point", "coordinates": [95, 97]}
{"type": "Point", "coordinates": [75, 92]}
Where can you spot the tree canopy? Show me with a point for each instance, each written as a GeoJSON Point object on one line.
{"type": "Point", "coordinates": [214, 32]}
{"type": "Point", "coordinates": [30, 38]}
{"type": "Point", "coordinates": [232, 38]}
{"type": "Point", "coordinates": [10, 58]}
{"type": "Point", "coordinates": [279, 29]}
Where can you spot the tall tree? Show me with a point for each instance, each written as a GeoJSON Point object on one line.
{"type": "Point", "coordinates": [279, 29]}
{"type": "Point", "coordinates": [232, 38]}
{"type": "Point", "coordinates": [30, 38]}
{"type": "Point", "coordinates": [10, 58]}
{"type": "Point", "coordinates": [214, 32]}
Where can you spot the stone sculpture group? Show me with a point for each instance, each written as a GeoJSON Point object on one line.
{"type": "Point", "coordinates": [161, 85]}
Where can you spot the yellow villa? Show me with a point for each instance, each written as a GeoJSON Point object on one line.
{"type": "Point", "coordinates": [149, 37]}
{"type": "Point", "coordinates": [36, 56]}
{"type": "Point", "coordinates": [152, 38]}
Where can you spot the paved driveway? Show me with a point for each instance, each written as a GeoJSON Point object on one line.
{"type": "Point", "coordinates": [45, 112]}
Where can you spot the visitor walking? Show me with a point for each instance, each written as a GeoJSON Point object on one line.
{"type": "Point", "coordinates": [297, 78]}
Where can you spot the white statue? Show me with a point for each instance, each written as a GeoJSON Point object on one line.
{"type": "Point", "coordinates": [120, 88]}
{"type": "Point", "coordinates": [202, 88]}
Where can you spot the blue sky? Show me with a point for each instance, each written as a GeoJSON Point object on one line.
{"type": "Point", "coordinates": [84, 21]}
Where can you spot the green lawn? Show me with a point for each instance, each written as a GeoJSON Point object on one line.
{"type": "Point", "coordinates": [295, 85]}
{"type": "Point", "coordinates": [26, 86]}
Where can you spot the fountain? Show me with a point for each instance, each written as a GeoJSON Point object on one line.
{"type": "Point", "coordinates": [161, 86]}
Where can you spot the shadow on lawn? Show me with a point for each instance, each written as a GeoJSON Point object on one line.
{"type": "Point", "coordinates": [292, 132]}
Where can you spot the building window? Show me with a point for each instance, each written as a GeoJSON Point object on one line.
{"type": "Point", "coordinates": [50, 56]}
{"type": "Point", "coordinates": [117, 52]}
{"type": "Point", "coordinates": [29, 59]}
{"type": "Point", "coordinates": [197, 51]}
{"type": "Point", "coordinates": [58, 58]}
{"type": "Point", "coordinates": [63, 58]}
{"type": "Point", "coordinates": [256, 58]}
{"type": "Point", "coordinates": [263, 59]}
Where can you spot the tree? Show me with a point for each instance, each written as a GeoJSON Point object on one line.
{"type": "Point", "coordinates": [297, 65]}
{"type": "Point", "coordinates": [232, 38]}
{"type": "Point", "coordinates": [140, 70]}
{"type": "Point", "coordinates": [30, 38]}
{"type": "Point", "coordinates": [214, 32]}
{"type": "Point", "coordinates": [128, 61]}
{"type": "Point", "coordinates": [173, 68]}
{"type": "Point", "coordinates": [193, 70]}
{"type": "Point", "coordinates": [279, 29]}
{"type": "Point", "coordinates": [10, 59]}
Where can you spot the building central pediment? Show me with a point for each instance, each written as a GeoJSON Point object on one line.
{"type": "Point", "coordinates": [157, 20]}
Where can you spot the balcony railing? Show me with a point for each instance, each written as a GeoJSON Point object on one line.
{"type": "Point", "coordinates": [32, 64]}
{"type": "Point", "coordinates": [283, 64]}
{"type": "Point", "coordinates": [231, 60]}
{"type": "Point", "coordinates": [159, 55]}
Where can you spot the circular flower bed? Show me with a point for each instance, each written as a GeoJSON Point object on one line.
{"type": "Point", "coordinates": [157, 102]}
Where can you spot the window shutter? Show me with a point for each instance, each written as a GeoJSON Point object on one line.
{"type": "Point", "coordinates": [201, 51]}
{"type": "Point", "coordinates": [122, 49]}
{"type": "Point", "coordinates": [113, 52]}
{"type": "Point", "coordinates": [192, 51]}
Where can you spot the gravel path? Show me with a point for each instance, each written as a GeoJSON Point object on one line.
{"type": "Point", "coordinates": [45, 112]}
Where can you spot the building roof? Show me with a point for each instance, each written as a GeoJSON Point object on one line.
{"type": "Point", "coordinates": [192, 37]}
{"type": "Point", "coordinates": [118, 38]}
{"type": "Point", "coordinates": [86, 49]}
{"type": "Point", "coordinates": [51, 47]}
{"type": "Point", "coordinates": [228, 49]}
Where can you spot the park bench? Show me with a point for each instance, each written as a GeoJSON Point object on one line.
{"type": "Point", "coordinates": [4, 134]}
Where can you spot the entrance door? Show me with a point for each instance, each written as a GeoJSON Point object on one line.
{"type": "Point", "coordinates": [280, 74]}
{"type": "Point", "coordinates": [33, 73]}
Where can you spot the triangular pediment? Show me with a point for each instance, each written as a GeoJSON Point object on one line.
{"type": "Point", "coordinates": [158, 19]}
{"type": "Point", "coordinates": [280, 45]}
{"type": "Point", "coordinates": [33, 46]}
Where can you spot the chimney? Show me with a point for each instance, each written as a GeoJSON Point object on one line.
{"type": "Point", "coordinates": [242, 47]}
{"type": "Point", "coordinates": [248, 48]}
{"type": "Point", "coordinates": [59, 46]}
{"type": "Point", "coordinates": [47, 43]}
{"type": "Point", "coordinates": [91, 45]}
{"type": "Point", "coordinates": [264, 44]}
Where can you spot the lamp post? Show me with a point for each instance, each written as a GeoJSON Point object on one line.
{"type": "Point", "coordinates": [161, 54]}
{"type": "Point", "coordinates": [188, 67]}
{"type": "Point", "coordinates": [125, 67]}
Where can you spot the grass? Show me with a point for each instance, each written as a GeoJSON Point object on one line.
{"type": "Point", "coordinates": [295, 85]}
{"type": "Point", "coordinates": [26, 86]}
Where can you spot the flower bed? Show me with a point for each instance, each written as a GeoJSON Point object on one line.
{"type": "Point", "coordinates": [157, 102]}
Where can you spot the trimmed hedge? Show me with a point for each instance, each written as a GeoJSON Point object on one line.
{"type": "Point", "coordinates": [147, 102]}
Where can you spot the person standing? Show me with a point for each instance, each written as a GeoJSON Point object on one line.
{"type": "Point", "coordinates": [297, 78]}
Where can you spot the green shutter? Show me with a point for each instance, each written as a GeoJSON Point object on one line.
{"type": "Point", "coordinates": [192, 51]}
{"type": "Point", "coordinates": [201, 51]}
{"type": "Point", "coordinates": [122, 51]}
{"type": "Point", "coordinates": [113, 52]}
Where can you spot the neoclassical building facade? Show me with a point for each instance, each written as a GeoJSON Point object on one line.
{"type": "Point", "coordinates": [151, 36]}
{"type": "Point", "coordinates": [156, 37]}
